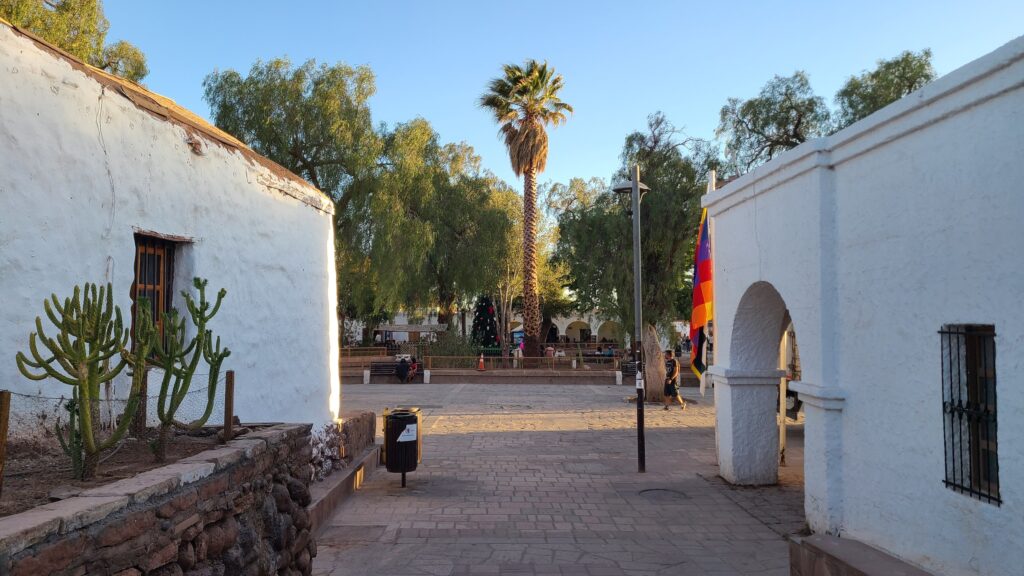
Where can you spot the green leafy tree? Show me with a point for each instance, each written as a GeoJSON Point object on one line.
{"type": "Point", "coordinates": [524, 101]}
{"type": "Point", "coordinates": [427, 226]}
{"type": "Point", "coordinates": [315, 120]}
{"type": "Point", "coordinates": [784, 115]}
{"type": "Point", "coordinates": [595, 242]}
{"type": "Point", "coordinates": [312, 119]}
{"type": "Point", "coordinates": [508, 268]}
{"type": "Point", "coordinates": [891, 80]}
{"type": "Point", "coordinates": [80, 28]}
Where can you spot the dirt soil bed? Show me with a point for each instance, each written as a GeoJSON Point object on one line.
{"type": "Point", "coordinates": [35, 470]}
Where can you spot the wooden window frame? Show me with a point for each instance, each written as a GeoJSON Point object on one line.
{"type": "Point", "coordinates": [156, 284]}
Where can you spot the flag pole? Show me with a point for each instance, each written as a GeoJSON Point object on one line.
{"type": "Point", "coordinates": [712, 186]}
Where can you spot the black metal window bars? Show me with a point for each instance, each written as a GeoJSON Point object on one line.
{"type": "Point", "coordinates": [969, 410]}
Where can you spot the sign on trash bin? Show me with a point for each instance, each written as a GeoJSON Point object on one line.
{"type": "Point", "coordinates": [408, 435]}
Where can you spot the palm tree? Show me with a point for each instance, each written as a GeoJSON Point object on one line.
{"type": "Point", "coordinates": [524, 101]}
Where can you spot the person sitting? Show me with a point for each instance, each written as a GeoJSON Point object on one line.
{"type": "Point", "coordinates": [402, 370]}
{"type": "Point", "coordinates": [413, 369]}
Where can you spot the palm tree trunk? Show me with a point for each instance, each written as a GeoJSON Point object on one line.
{"type": "Point", "coordinates": [531, 304]}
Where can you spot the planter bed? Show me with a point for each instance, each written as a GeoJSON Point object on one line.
{"type": "Point", "coordinates": [235, 508]}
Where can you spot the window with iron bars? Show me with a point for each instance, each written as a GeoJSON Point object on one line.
{"type": "Point", "coordinates": [969, 410]}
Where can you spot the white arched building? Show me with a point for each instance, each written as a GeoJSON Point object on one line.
{"type": "Point", "coordinates": [895, 248]}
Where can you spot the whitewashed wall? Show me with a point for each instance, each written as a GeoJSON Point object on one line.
{"type": "Point", "coordinates": [874, 238]}
{"type": "Point", "coordinates": [82, 168]}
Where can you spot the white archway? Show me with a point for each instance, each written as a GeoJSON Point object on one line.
{"type": "Point", "coordinates": [746, 392]}
{"type": "Point", "coordinates": [609, 331]}
{"type": "Point", "coordinates": [578, 331]}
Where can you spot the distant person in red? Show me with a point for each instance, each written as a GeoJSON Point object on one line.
{"type": "Point", "coordinates": [671, 375]}
{"type": "Point", "coordinates": [413, 368]}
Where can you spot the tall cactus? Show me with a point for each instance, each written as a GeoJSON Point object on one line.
{"type": "Point", "coordinates": [180, 361]}
{"type": "Point", "coordinates": [90, 337]}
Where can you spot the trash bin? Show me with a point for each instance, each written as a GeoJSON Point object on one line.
{"type": "Point", "coordinates": [402, 440]}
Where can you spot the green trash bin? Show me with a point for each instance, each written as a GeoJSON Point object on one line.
{"type": "Point", "coordinates": [402, 440]}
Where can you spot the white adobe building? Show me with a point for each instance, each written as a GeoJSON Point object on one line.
{"type": "Point", "coordinates": [98, 174]}
{"type": "Point", "coordinates": [895, 246]}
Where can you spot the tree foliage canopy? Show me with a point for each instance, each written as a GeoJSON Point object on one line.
{"type": "Point", "coordinates": [784, 115]}
{"type": "Point", "coordinates": [787, 113]}
{"type": "Point", "coordinates": [80, 28]}
{"type": "Point", "coordinates": [595, 243]}
{"type": "Point", "coordinates": [891, 80]}
{"type": "Point", "coordinates": [312, 119]}
{"type": "Point", "coordinates": [424, 227]}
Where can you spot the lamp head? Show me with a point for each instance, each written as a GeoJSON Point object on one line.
{"type": "Point", "coordinates": [626, 187]}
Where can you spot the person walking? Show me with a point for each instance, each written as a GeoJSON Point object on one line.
{"type": "Point", "coordinates": [671, 375]}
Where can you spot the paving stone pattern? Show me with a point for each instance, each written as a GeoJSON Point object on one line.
{"type": "Point", "coordinates": [525, 479]}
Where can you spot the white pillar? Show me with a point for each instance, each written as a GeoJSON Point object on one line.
{"type": "Point", "coordinates": [366, 376]}
{"type": "Point", "coordinates": [823, 451]}
{"type": "Point", "coordinates": [426, 376]}
{"type": "Point", "coordinates": [747, 429]}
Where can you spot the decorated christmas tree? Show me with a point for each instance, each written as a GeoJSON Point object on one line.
{"type": "Point", "coordinates": [485, 327]}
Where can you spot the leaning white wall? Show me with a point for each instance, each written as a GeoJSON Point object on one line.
{"type": "Point", "coordinates": [82, 168]}
{"type": "Point", "coordinates": [908, 220]}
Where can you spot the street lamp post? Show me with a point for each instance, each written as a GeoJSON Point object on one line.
{"type": "Point", "coordinates": [636, 189]}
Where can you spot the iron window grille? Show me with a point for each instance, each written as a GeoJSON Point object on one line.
{"type": "Point", "coordinates": [969, 410]}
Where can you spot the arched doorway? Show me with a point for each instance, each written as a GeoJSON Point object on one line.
{"type": "Point", "coordinates": [609, 331]}
{"type": "Point", "coordinates": [747, 388]}
{"type": "Point", "coordinates": [578, 331]}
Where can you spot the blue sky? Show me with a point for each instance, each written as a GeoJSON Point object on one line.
{"type": "Point", "coordinates": [621, 60]}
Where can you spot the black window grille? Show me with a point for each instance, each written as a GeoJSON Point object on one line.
{"type": "Point", "coordinates": [969, 410]}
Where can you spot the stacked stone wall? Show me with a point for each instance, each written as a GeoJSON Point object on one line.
{"type": "Point", "coordinates": [235, 510]}
{"type": "Point", "coordinates": [358, 431]}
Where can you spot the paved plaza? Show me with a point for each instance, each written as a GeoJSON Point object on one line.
{"type": "Point", "coordinates": [523, 479]}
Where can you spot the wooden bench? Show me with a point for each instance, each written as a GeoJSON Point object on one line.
{"type": "Point", "coordinates": [385, 369]}
{"type": "Point", "coordinates": [628, 369]}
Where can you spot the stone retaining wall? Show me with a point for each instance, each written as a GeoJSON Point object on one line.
{"type": "Point", "coordinates": [358, 431]}
{"type": "Point", "coordinates": [235, 510]}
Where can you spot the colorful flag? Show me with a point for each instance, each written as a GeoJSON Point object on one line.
{"type": "Point", "coordinates": [703, 299]}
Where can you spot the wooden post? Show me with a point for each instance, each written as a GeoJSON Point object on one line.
{"type": "Point", "coordinates": [5, 412]}
{"type": "Point", "coordinates": [229, 405]}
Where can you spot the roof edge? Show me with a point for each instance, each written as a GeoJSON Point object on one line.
{"type": "Point", "coordinates": [166, 109]}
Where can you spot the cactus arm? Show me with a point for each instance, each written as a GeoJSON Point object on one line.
{"type": "Point", "coordinates": [162, 399]}
{"type": "Point", "coordinates": [214, 357]}
{"type": "Point", "coordinates": [216, 307]}
{"type": "Point", "coordinates": [23, 366]}
{"type": "Point", "coordinates": [109, 375]}
{"type": "Point", "coordinates": [47, 367]}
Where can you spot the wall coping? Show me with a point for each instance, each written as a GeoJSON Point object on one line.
{"type": "Point", "coordinates": [25, 529]}
{"type": "Point", "coordinates": [733, 377]}
{"type": "Point", "coordinates": [826, 397]}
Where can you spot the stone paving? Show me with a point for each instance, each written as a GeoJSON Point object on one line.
{"type": "Point", "coordinates": [524, 479]}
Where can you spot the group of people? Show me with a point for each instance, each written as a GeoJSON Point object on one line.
{"type": "Point", "coordinates": [407, 369]}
